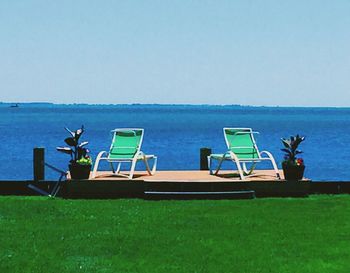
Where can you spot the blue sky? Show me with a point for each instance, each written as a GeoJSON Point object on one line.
{"type": "Point", "coordinates": [211, 52]}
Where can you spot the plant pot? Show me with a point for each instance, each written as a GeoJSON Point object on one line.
{"type": "Point", "coordinates": [293, 172]}
{"type": "Point", "coordinates": [78, 171]}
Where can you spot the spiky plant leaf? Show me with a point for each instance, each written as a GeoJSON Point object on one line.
{"type": "Point", "coordinates": [79, 132]}
{"type": "Point", "coordinates": [287, 151]}
{"type": "Point", "coordinates": [286, 143]}
{"type": "Point", "coordinates": [83, 144]}
{"type": "Point", "coordinates": [69, 131]}
{"type": "Point", "coordinates": [71, 141]}
{"type": "Point", "coordinates": [82, 152]}
{"type": "Point", "coordinates": [65, 150]}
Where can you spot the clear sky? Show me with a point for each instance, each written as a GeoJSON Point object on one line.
{"type": "Point", "coordinates": [171, 51]}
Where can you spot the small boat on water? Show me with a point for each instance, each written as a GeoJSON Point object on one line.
{"type": "Point", "coordinates": [14, 105]}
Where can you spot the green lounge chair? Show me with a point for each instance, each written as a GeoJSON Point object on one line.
{"type": "Point", "coordinates": [242, 149]}
{"type": "Point", "coordinates": [125, 148]}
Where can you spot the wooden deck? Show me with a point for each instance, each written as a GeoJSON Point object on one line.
{"type": "Point", "coordinates": [189, 176]}
{"type": "Point", "coordinates": [181, 183]}
{"type": "Point", "coordinates": [173, 185]}
{"type": "Point", "coordinates": [226, 184]}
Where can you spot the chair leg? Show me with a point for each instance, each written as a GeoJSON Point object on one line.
{"type": "Point", "coordinates": [118, 168]}
{"type": "Point", "coordinates": [275, 168]}
{"type": "Point", "coordinates": [94, 171]}
{"type": "Point", "coordinates": [273, 162]}
{"type": "Point", "coordinates": [98, 158]}
{"type": "Point", "coordinates": [244, 167]}
{"type": "Point", "coordinates": [209, 164]}
{"type": "Point", "coordinates": [235, 160]}
{"type": "Point", "coordinates": [112, 167]}
{"type": "Point", "coordinates": [240, 171]}
{"type": "Point", "coordinates": [154, 167]}
{"type": "Point", "coordinates": [251, 170]}
{"type": "Point", "coordinates": [219, 166]}
{"type": "Point", "coordinates": [147, 166]}
{"type": "Point", "coordinates": [132, 169]}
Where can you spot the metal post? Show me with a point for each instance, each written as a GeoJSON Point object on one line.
{"type": "Point", "coordinates": [204, 153]}
{"type": "Point", "coordinates": [39, 164]}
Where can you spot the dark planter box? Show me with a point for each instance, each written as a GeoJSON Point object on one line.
{"type": "Point", "coordinates": [293, 172]}
{"type": "Point", "coordinates": [78, 171]}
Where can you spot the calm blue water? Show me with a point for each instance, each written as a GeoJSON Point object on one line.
{"type": "Point", "coordinates": [174, 133]}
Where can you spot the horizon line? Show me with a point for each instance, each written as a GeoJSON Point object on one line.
{"type": "Point", "coordinates": [169, 104]}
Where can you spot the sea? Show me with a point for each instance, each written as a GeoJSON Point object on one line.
{"type": "Point", "coordinates": [175, 133]}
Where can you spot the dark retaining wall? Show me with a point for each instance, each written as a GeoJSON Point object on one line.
{"type": "Point", "coordinates": [330, 187]}
{"type": "Point", "coordinates": [136, 189]}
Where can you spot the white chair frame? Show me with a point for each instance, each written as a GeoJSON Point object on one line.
{"type": "Point", "coordinates": [139, 155]}
{"type": "Point", "coordinates": [241, 163]}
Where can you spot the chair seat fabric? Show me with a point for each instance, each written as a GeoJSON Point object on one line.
{"type": "Point", "coordinates": [228, 157]}
{"type": "Point", "coordinates": [128, 158]}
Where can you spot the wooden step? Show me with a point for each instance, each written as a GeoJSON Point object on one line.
{"type": "Point", "coordinates": [244, 194]}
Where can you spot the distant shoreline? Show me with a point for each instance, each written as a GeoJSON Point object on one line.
{"type": "Point", "coordinates": [167, 105]}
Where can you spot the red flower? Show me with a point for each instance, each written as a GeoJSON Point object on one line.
{"type": "Point", "coordinates": [300, 161]}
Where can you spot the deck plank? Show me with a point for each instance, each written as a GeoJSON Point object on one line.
{"type": "Point", "coordinates": [190, 176]}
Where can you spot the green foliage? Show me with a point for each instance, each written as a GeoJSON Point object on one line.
{"type": "Point", "coordinates": [77, 151]}
{"type": "Point", "coordinates": [85, 161]}
{"type": "Point", "coordinates": [291, 150]}
{"type": "Point", "coordinates": [131, 235]}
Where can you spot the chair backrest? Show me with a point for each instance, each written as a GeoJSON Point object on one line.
{"type": "Point", "coordinates": [125, 143]}
{"type": "Point", "coordinates": [241, 141]}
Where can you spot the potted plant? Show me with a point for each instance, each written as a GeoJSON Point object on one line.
{"type": "Point", "coordinates": [293, 167]}
{"type": "Point", "coordinates": [80, 163]}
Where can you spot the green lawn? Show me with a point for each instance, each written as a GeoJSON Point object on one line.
{"type": "Point", "coordinates": [262, 235]}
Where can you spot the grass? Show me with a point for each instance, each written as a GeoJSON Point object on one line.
{"type": "Point", "coordinates": [130, 235]}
